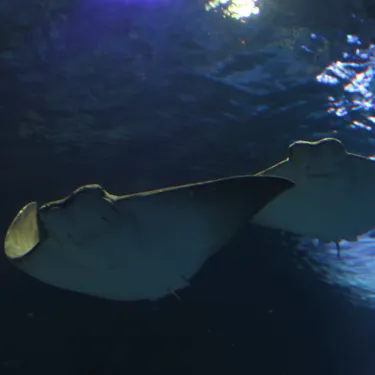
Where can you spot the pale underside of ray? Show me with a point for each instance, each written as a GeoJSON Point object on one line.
{"type": "Point", "coordinates": [334, 194]}
{"type": "Point", "coordinates": [133, 247]}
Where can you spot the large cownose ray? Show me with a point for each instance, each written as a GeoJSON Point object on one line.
{"type": "Point", "coordinates": [134, 247]}
{"type": "Point", "coordinates": [334, 194]}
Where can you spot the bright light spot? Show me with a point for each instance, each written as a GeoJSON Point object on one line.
{"type": "Point", "coordinates": [352, 39]}
{"type": "Point", "coordinates": [238, 9]}
{"type": "Point", "coordinates": [359, 125]}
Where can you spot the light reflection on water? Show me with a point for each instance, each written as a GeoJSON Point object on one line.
{"type": "Point", "coordinates": [356, 75]}
{"type": "Point", "coordinates": [354, 271]}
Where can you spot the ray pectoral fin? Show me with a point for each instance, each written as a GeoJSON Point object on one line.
{"type": "Point", "coordinates": [23, 233]}
{"type": "Point", "coordinates": [251, 191]}
{"type": "Point", "coordinates": [264, 189]}
{"type": "Point", "coordinates": [282, 169]}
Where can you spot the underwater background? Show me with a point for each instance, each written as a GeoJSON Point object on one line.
{"type": "Point", "coordinates": [141, 94]}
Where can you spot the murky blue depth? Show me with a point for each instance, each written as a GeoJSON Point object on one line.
{"type": "Point", "coordinates": [139, 95]}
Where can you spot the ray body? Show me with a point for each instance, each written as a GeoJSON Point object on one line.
{"type": "Point", "coordinates": [333, 198]}
{"type": "Point", "coordinates": [134, 247]}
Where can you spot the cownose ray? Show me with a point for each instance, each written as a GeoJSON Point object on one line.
{"type": "Point", "coordinates": [333, 198]}
{"type": "Point", "coordinates": [134, 247]}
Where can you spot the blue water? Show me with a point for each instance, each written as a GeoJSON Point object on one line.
{"type": "Point", "coordinates": [138, 95]}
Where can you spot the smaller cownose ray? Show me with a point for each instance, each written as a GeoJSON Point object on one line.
{"type": "Point", "coordinates": [333, 198]}
{"type": "Point", "coordinates": [134, 247]}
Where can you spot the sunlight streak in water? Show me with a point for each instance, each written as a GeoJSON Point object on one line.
{"type": "Point", "coordinates": [238, 9]}
{"type": "Point", "coordinates": [355, 73]}
{"type": "Point", "coordinates": [354, 271]}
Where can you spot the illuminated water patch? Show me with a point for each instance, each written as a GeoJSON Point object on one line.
{"type": "Point", "coordinates": [238, 9]}
{"type": "Point", "coordinates": [353, 272]}
{"type": "Point", "coordinates": [355, 73]}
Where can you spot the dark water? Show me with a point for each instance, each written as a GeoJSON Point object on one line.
{"type": "Point", "coordinates": [137, 96]}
